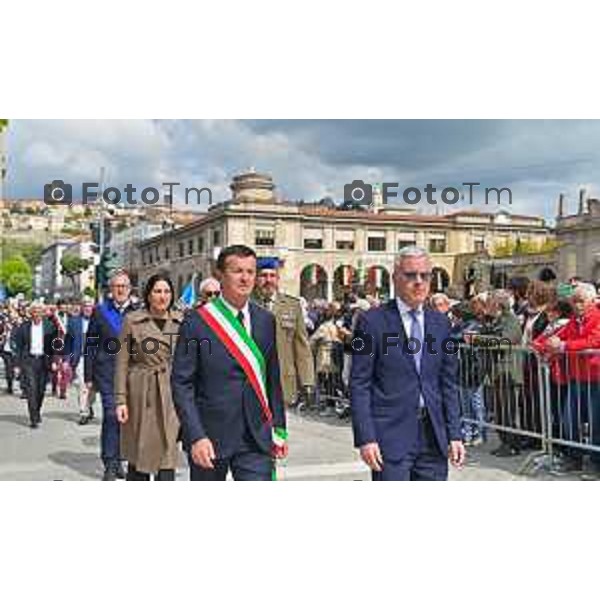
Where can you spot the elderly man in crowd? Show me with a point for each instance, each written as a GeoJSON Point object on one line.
{"type": "Point", "coordinates": [440, 302]}
{"type": "Point", "coordinates": [582, 404]}
{"type": "Point", "coordinates": [209, 289]}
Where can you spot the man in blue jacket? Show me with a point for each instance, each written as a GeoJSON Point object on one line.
{"type": "Point", "coordinates": [226, 382]}
{"type": "Point", "coordinates": [99, 366]}
{"type": "Point", "coordinates": [77, 328]}
{"type": "Point", "coordinates": [404, 382]}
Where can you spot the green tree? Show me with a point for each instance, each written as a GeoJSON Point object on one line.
{"type": "Point", "coordinates": [71, 266]}
{"type": "Point", "coordinates": [90, 292]}
{"type": "Point", "coordinates": [31, 252]}
{"type": "Point", "coordinates": [16, 275]}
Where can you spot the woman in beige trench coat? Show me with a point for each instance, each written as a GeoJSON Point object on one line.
{"type": "Point", "coordinates": [149, 424]}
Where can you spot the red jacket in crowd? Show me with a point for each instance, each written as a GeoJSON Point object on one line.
{"type": "Point", "coordinates": [578, 335]}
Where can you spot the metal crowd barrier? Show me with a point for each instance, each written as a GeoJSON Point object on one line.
{"type": "Point", "coordinates": [530, 402]}
{"type": "Point", "coordinates": [533, 402]}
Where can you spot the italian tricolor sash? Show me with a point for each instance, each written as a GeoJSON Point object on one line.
{"type": "Point", "coordinates": [245, 351]}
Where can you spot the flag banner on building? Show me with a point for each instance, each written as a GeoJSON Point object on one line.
{"type": "Point", "coordinates": [347, 274]}
{"type": "Point", "coordinates": [378, 278]}
{"type": "Point", "coordinates": [312, 274]}
{"type": "Point", "coordinates": [188, 296]}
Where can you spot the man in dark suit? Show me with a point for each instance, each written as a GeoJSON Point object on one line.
{"type": "Point", "coordinates": [404, 382]}
{"type": "Point", "coordinates": [99, 366]}
{"type": "Point", "coordinates": [35, 349]}
{"type": "Point", "coordinates": [225, 380]}
{"type": "Point", "coordinates": [77, 328]}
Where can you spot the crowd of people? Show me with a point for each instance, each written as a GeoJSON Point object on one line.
{"type": "Point", "coordinates": [535, 323]}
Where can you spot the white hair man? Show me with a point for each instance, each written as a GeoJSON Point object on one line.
{"type": "Point", "coordinates": [440, 302]}
{"type": "Point", "coordinates": [209, 289]}
{"type": "Point", "coordinates": [404, 384]}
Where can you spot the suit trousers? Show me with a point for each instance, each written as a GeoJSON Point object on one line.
{"type": "Point", "coordinates": [110, 437]}
{"type": "Point", "coordinates": [424, 462]}
{"type": "Point", "coordinates": [35, 373]}
{"type": "Point", "coordinates": [249, 463]}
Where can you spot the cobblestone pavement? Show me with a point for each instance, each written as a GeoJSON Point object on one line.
{"type": "Point", "coordinates": [320, 449]}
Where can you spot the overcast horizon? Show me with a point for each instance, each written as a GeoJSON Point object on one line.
{"type": "Point", "coordinates": [310, 159]}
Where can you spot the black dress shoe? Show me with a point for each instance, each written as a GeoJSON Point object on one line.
{"type": "Point", "coordinates": [83, 420]}
{"type": "Point", "coordinates": [33, 425]}
{"type": "Point", "coordinates": [109, 475]}
{"type": "Point", "coordinates": [119, 472]}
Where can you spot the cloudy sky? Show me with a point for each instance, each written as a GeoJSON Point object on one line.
{"type": "Point", "coordinates": [310, 159]}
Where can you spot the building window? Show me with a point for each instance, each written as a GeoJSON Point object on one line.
{"type": "Point", "coordinates": [190, 246]}
{"type": "Point", "coordinates": [376, 244]}
{"type": "Point", "coordinates": [216, 238]}
{"type": "Point", "coordinates": [264, 237]}
{"type": "Point", "coordinates": [167, 253]}
{"type": "Point", "coordinates": [344, 239]}
{"type": "Point", "coordinates": [405, 243]}
{"type": "Point", "coordinates": [437, 245]}
{"type": "Point", "coordinates": [479, 245]}
{"type": "Point", "coordinates": [344, 245]}
{"type": "Point", "coordinates": [313, 244]}
{"type": "Point", "coordinates": [180, 249]}
{"type": "Point", "coordinates": [313, 238]}
{"type": "Point", "coordinates": [200, 244]}
{"type": "Point", "coordinates": [157, 254]}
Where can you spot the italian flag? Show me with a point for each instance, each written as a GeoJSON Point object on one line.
{"type": "Point", "coordinates": [346, 275]}
{"type": "Point", "coordinates": [245, 351]}
{"type": "Point", "coordinates": [312, 274]}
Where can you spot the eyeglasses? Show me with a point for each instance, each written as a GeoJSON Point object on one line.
{"type": "Point", "coordinates": [212, 294]}
{"type": "Point", "coordinates": [414, 275]}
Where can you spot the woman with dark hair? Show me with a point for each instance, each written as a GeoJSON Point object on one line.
{"type": "Point", "coordinates": [149, 424]}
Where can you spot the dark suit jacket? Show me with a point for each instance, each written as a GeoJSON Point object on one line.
{"type": "Point", "coordinates": [385, 385]}
{"type": "Point", "coordinates": [211, 392]}
{"type": "Point", "coordinates": [74, 339]}
{"type": "Point", "coordinates": [23, 339]}
{"type": "Point", "coordinates": [99, 357]}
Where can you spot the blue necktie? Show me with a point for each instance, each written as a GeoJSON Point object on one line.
{"type": "Point", "coordinates": [416, 334]}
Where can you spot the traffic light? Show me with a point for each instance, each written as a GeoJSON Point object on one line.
{"type": "Point", "coordinates": [108, 263]}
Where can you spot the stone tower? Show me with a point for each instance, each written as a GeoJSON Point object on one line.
{"type": "Point", "coordinates": [253, 187]}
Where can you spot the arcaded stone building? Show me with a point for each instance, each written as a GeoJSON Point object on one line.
{"type": "Point", "coordinates": [578, 235]}
{"type": "Point", "coordinates": [327, 250]}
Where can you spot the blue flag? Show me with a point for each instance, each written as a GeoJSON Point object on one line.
{"type": "Point", "coordinates": [188, 296]}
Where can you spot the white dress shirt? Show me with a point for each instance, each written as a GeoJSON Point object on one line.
{"type": "Point", "coordinates": [36, 346]}
{"type": "Point", "coordinates": [245, 311]}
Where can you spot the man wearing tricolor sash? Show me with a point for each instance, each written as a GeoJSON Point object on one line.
{"type": "Point", "coordinates": [226, 382]}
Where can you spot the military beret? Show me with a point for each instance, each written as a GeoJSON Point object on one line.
{"type": "Point", "coordinates": [268, 262]}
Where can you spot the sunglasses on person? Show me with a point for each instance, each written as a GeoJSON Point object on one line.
{"type": "Point", "coordinates": [415, 275]}
{"type": "Point", "coordinates": [212, 294]}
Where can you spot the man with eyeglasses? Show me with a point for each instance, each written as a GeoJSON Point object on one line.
{"type": "Point", "coordinates": [99, 366]}
{"type": "Point", "coordinates": [404, 382]}
{"type": "Point", "coordinates": [210, 288]}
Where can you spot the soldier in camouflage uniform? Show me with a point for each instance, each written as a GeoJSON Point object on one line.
{"type": "Point", "coordinates": [293, 348]}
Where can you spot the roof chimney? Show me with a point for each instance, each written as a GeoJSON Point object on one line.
{"type": "Point", "coordinates": [581, 203]}
{"type": "Point", "coordinates": [561, 205]}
